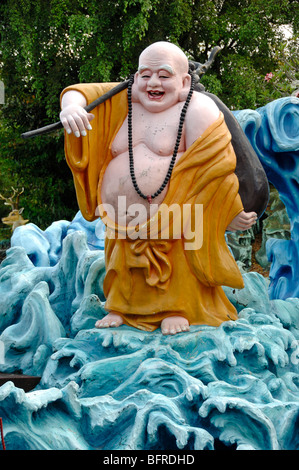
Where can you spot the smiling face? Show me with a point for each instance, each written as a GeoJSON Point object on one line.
{"type": "Point", "coordinates": [162, 79]}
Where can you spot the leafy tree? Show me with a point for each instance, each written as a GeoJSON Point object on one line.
{"type": "Point", "coordinates": [49, 44]}
{"type": "Point", "coordinates": [249, 33]}
{"type": "Point", "coordinates": [284, 81]}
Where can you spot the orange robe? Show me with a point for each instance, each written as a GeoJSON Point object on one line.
{"type": "Point", "coordinates": [149, 279]}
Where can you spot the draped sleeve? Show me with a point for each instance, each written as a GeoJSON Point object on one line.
{"type": "Point", "coordinates": [89, 156]}
{"type": "Point", "coordinates": [208, 171]}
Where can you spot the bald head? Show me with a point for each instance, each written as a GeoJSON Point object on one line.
{"type": "Point", "coordinates": [162, 79]}
{"type": "Point", "coordinates": [166, 50]}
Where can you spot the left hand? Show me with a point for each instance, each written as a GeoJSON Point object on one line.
{"type": "Point", "coordinates": [242, 221]}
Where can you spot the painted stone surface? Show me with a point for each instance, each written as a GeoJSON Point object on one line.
{"type": "Point", "coordinates": [235, 386]}
{"type": "Point", "coordinates": [273, 133]}
{"type": "Point", "coordinates": [126, 389]}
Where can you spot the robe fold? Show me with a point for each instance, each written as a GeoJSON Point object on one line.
{"type": "Point", "coordinates": [173, 272]}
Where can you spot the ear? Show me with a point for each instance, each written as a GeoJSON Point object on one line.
{"type": "Point", "coordinates": [134, 89]}
{"type": "Point", "coordinates": [186, 87]}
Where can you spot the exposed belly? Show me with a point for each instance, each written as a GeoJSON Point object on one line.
{"type": "Point", "coordinates": [119, 197]}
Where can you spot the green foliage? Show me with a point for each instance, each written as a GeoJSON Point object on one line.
{"type": "Point", "coordinates": [49, 195]}
{"type": "Point", "coordinates": [284, 81]}
{"type": "Point", "coordinates": [49, 44]}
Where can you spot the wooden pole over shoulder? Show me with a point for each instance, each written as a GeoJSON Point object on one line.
{"type": "Point", "coordinates": [58, 125]}
{"type": "Point", "coordinates": [197, 68]}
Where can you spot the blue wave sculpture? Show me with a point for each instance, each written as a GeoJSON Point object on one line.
{"type": "Point", "coordinates": [273, 131]}
{"type": "Point", "coordinates": [235, 386]}
{"type": "Point", "coordinates": [126, 389]}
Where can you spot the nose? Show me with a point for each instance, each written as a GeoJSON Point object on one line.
{"type": "Point", "coordinates": [154, 80]}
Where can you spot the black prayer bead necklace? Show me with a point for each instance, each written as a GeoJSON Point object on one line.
{"type": "Point", "coordinates": [176, 147]}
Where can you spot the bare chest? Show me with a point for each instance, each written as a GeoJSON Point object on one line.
{"type": "Point", "coordinates": [156, 131]}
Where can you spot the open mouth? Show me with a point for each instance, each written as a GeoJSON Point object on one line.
{"type": "Point", "coordinates": [155, 95]}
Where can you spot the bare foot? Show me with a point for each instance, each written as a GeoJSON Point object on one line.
{"type": "Point", "coordinates": [174, 325]}
{"type": "Point", "coordinates": [112, 319]}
